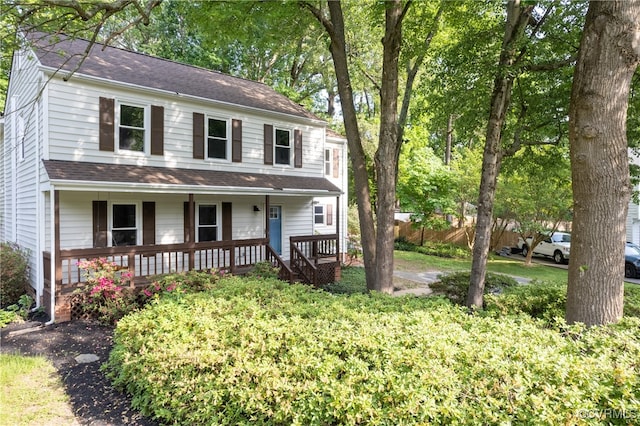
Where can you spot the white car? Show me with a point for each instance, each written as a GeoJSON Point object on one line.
{"type": "Point", "coordinates": [557, 246]}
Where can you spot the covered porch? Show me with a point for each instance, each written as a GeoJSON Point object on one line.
{"type": "Point", "coordinates": [315, 260]}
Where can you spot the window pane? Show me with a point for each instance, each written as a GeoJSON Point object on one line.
{"type": "Point", "coordinates": [131, 116]}
{"type": "Point", "coordinates": [282, 155]}
{"type": "Point", "coordinates": [124, 216]}
{"type": "Point", "coordinates": [218, 128]}
{"type": "Point", "coordinates": [124, 237]}
{"type": "Point", "coordinates": [217, 148]}
{"type": "Point", "coordinates": [282, 137]}
{"type": "Point", "coordinates": [208, 234]}
{"type": "Point", "coordinates": [207, 215]}
{"type": "Point", "coordinates": [131, 139]}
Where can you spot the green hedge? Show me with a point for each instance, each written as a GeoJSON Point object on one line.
{"type": "Point", "coordinates": [264, 352]}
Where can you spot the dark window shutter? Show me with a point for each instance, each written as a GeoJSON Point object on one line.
{"type": "Point", "coordinates": [107, 124]}
{"type": "Point", "coordinates": [148, 222]}
{"type": "Point", "coordinates": [268, 144]}
{"type": "Point", "coordinates": [157, 130]}
{"type": "Point", "coordinates": [226, 222]}
{"type": "Point", "coordinates": [297, 148]}
{"type": "Point", "coordinates": [329, 218]}
{"type": "Point", "coordinates": [236, 141]}
{"type": "Point", "coordinates": [198, 135]}
{"type": "Point", "coordinates": [100, 224]}
{"type": "Point", "coordinates": [336, 163]}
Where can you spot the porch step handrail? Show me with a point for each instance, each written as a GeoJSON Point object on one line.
{"type": "Point", "coordinates": [304, 267]}
{"type": "Point", "coordinates": [286, 273]}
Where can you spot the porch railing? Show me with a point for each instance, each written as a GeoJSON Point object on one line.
{"type": "Point", "coordinates": [235, 256]}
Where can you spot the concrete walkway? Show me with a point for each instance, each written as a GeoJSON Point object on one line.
{"type": "Point", "coordinates": [423, 279]}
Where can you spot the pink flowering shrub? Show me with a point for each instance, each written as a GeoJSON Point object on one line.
{"type": "Point", "coordinates": [107, 295]}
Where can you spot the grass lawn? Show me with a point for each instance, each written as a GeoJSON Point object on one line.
{"type": "Point", "coordinates": [416, 262]}
{"type": "Point", "coordinates": [32, 393]}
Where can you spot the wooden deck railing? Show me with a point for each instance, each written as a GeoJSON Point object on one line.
{"type": "Point", "coordinates": [313, 260]}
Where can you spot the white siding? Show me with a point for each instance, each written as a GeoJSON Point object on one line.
{"type": "Point", "coordinates": [74, 129]}
{"type": "Point", "coordinates": [21, 162]}
{"type": "Point", "coordinates": [76, 216]}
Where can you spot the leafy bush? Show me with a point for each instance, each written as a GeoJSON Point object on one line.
{"type": "Point", "coordinates": [352, 281]}
{"type": "Point", "coordinates": [547, 301]}
{"type": "Point", "coordinates": [433, 248]}
{"type": "Point", "coordinates": [542, 300]}
{"type": "Point", "coordinates": [632, 300]}
{"type": "Point", "coordinates": [14, 273]}
{"type": "Point", "coordinates": [455, 286]}
{"type": "Point", "coordinates": [264, 270]}
{"type": "Point", "coordinates": [403, 244]}
{"type": "Point", "coordinates": [185, 282]}
{"type": "Point", "coordinates": [265, 352]}
{"type": "Point", "coordinates": [106, 295]}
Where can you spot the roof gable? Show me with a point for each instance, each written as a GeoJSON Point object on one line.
{"type": "Point", "coordinates": [119, 65]}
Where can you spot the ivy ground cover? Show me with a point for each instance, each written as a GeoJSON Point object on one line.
{"type": "Point", "coordinates": [263, 352]}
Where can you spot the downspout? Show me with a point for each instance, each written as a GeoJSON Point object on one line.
{"type": "Point", "coordinates": [54, 259]}
{"type": "Point", "coordinates": [39, 195]}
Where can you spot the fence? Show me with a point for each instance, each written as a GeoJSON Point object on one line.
{"type": "Point", "coordinates": [458, 236]}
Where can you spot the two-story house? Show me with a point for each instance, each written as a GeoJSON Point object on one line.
{"type": "Point", "coordinates": [162, 167]}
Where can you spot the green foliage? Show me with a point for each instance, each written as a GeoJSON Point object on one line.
{"type": "Point", "coordinates": [264, 270]}
{"type": "Point", "coordinates": [547, 301]}
{"type": "Point", "coordinates": [541, 300]}
{"type": "Point", "coordinates": [455, 286]}
{"type": "Point", "coordinates": [352, 281]}
{"type": "Point", "coordinates": [184, 282]}
{"type": "Point", "coordinates": [106, 295]}
{"type": "Point", "coordinates": [425, 188]}
{"type": "Point", "coordinates": [434, 248]}
{"type": "Point", "coordinates": [264, 352]}
{"type": "Point", "coordinates": [14, 273]}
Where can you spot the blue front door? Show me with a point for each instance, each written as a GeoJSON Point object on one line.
{"type": "Point", "coordinates": [275, 228]}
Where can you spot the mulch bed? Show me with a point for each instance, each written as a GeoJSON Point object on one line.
{"type": "Point", "coordinates": [94, 401]}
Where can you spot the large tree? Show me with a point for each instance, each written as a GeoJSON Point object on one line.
{"type": "Point", "coordinates": [377, 233]}
{"type": "Point", "coordinates": [608, 58]}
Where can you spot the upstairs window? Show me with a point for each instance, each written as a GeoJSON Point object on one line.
{"type": "Point", "coordinates": [124, 230]}
{"type": "Point", "coordinates": [327, 162]}
{"type": "Point", "coordinates": [217, 139]}
{"type": "Point", "coordinates": [132, 128]}
{"type": "Point", "coordinates": [283, 147]}
{"type": "Point", "coordinates": [207, 222]}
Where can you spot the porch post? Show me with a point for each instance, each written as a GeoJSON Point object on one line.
{"type": "Point", "coordinates": [338, 228]}
{"type": "Point", "coordinates": [266, 218]}
{"type": "Point", "coordinates": [192, 232]}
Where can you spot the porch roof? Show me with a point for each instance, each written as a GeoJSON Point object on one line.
{"type": "Point", "coordinates": [79, 175]}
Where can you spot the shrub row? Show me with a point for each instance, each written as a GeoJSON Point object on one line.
{"type": "Point", "coordinates": [264, 352]}
{"type": "Point", "coordinates": [433, 248]}
{"type": "Point", "coordinates": [14, 274]}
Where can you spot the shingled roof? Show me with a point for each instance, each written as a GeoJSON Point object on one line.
{"type": "Point", "coordinates": [79, 172]}
{"type": "Point", "coordinates": [110, 63]}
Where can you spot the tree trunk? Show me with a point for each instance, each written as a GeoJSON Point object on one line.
{"type": "Point", "coordinates": [335, 28]}
{"type": "Point", "coordinates": [388, 147]}
{"type": "Point", "coordinates": [609, 55]}
{"type": "Point", "coordinates": [517, 18]}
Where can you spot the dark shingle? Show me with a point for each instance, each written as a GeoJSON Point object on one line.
{"type": "Point", "coordinates": [60, 52]}
{"type": "Point", "coordinates": [59, 170]}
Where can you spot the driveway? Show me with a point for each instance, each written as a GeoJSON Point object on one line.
{"type": "Point", "coordinates": [550, 262]}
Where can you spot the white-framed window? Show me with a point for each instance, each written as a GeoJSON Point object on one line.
{"type": "Point", "coordinates": [328, 162]}
{"type": "Point", "coordinates": [318, 214]}
{"type": "Point", "coordinates": [217, 139]}
{"type": "Point", "coordinates": [207, 222]}
{"type": "Point", "coordinates": [132, 127]}
{"type": "Point", "coordinates": [282, 147]}
{"type": "Point", "coordinates": [124, 224]}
